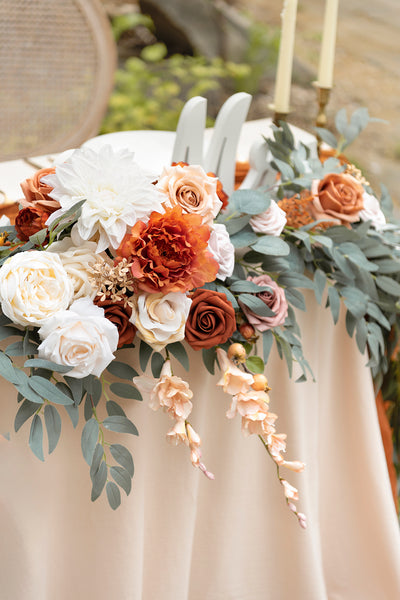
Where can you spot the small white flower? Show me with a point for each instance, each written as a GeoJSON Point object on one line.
{"type": "Point", "coordinates": [160, 319]}
{"type": "Point", "coordinates": [81, 338]}
{"type": "Point", "coordinates": [4, 221]}
{"type": "Point", "coordinates": [222, 250]}
{"type": "Point", "coordinates": [34, 286]}
{"type": "Point", "coordinates": [372, 212]}
{"type": "Point", "coordinates": [270, 222]}
{"type": "Point", "coordinates": [116, 190]}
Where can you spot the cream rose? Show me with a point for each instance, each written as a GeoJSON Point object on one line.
{"type": "Point", "coordinates": [81, 338]}
{"type": "Point", "coordinates": [189, 187]}
{"type": "Point", "coordinates": [77, 261]}
{"type": "Point", "coordinates": [34, 286]}
{"type": "Point", "coordinates": [270, 222]}
{"type": "Point", "coordinates": [160, 319]}
{"type": "Point", "coordinates": [222, 250]}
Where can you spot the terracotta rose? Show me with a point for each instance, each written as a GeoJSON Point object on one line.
{"type": "Point", "coordinates": [29, 221]}
{"type": "Point", "coordinates": [338, 197]}
{"type": "Point", "coordinates": [37, 192]}
{"type": "Point", "coordinates": [118, 314]}
{"type": "Point", "coordinates": [211, 319]}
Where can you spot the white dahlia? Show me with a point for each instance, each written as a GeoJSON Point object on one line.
{"type": "Point", "coordinates": [118, 193]}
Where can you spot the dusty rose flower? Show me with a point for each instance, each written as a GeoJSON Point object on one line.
{"type": "Point", "coordinates": [189, 187]}
{"type": "Point", "coordinates": [211, 319]}
{"type": "Point", "coordinates": [275, 300]}
{"type": "Point", "coordinates": [270, 222]}
{"type": "Point", "coordinates": [233, 380]}
{"type": "Point", "coordinates": [338, 197]}
{"type": "Point", "coordinates": [170, 253]}
{"type": "Point", "coordinates": [172, 394]}
{"type": "Point", "coordinates": [37, 192]}
{"type": "Point", "coordinates": [117, 313]}
{"type": "Point", "coordinates": [222, 249]}
{"type": "Point", "coordinates": [29, 221]}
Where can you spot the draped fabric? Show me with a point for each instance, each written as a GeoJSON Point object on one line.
{"type": "Point", "coordinates": [179, 536]}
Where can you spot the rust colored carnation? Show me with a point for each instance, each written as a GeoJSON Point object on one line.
{"type": "Point", "coordinates": [37, 192]}
{"type": "Point", "coordinates": [169, 253]}
{"type": "Point", "coordinates": [29, 221]}
{"type": "Point", "coordinates": [337, 197]}
{"type": "Point", "coordinates": [117, 313]}
{"type": "Point", "coordinates": [211, 319]}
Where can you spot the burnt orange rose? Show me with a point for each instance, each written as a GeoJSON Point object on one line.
{"type": "Point", "coordinates": [169, 253]}
{"type": "Point", "coordinates": [37, 192]}
{"type": "Point", "coordinates": [211, 319]}
{"type": "Point", "coordinates": [29, 221]}
{"type": "Point", "coordinates": [337, 195]}
{"type": "Point", "coordinates": [117, 313]}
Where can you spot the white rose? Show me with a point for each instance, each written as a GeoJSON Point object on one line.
{"type": "Point", "coordinates": [76, 261]}
{"type": "Point", "coordinates": [222, 250]}
{"type": "Point", "coordinates": [270, 222]}
{"type": "Point", "coordinates": [189, 187]}
{"type": "Point", "coordinates": [372, 211]}
{"type": "Point", "coordinates": [80, 337]}
{"type": "Point", "coordinates": [160, 319]}
{"type": "Point", "coordinates": [4, 221]}
{"type": "Point", "coordinates": [34, 286]}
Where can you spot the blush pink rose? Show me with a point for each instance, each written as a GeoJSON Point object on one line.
{"type": "Point", "coordinates": [275, 300]}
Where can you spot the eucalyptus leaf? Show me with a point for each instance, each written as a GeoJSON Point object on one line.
{"type": "Point", "coordinates": [123, 457]}
{"type": "Point", "coordinates": [271, 245]}
{"type": "Point", "coordinates": [98, 455]}
{"type": "Point", "coordinates": [179, 352]}
{"type": "Point", "coordinates": [157, 361]}
{"type": "Point", "coordinates": [25, 411]}
{"type": "Point", "coordinates": [209, 358]}
{"type": "Point", "coordinates": [334, 303]}
{"type": "Point", "coordinates": [120, 424]}
{"type": "Point", "coordinates": [388, 285]}
{"type": "Point", "coordinates": [145, 351]}
{"type": "Point", "coordinates": [114, 409]}
{"type": "Point", "coordinates": [36, 437]}
{"type": "Point", "coordinates": [52, 421]}
{"type": "Point", "coordinates": [47, 390]}
{"type": "Point", "coordinates": [40, 363]}
{"type": "Point", "coordinates": [113, 495]}
{"type": "Point", "coordinates": [98, 481]}
{"type": "Point", "coordinates": [268, 339]}
{"type": "Point", "coordinates": [122, 478]}
{"type": "Point", "coordinates": [90, 434]}
{"type": "Point", "coordinates": [122, 370]}
{"type": "Point", "coordinates": [256, 305]}
{"type": "Point", "coordinates": [73, 413]}
{"type": "Point", "coordinates": [125, 390]}
{"type": "Point", "coordinates": [250, 202]}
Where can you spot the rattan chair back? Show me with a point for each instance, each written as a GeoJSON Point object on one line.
{"type": "Point", "coordinates": [57, 62]}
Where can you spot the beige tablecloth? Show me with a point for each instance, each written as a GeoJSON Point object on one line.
{"type": "Point", "coordinates": [179, 536]}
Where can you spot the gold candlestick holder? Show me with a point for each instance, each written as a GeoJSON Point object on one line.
{"type": "Point", "coordinates": [323, 94]}
{"type": "Point", "coordinates": [278, 116]}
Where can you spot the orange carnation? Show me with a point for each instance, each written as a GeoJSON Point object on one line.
{"type": "Point", "coordinates": [169, 253]}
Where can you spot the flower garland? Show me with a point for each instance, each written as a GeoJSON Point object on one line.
{"type": "Point", "coordinates": [104, 255]}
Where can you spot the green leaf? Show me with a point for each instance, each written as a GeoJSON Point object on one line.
{"type": "Point", "coordinates": [268, 339]}
{"type": "Point", "coordinates": [36, 437]}
{"type": "Point", "coordinates": [295, 298]}
{"type": "Point", "coordinates": [76, 387]}
{"type": "Point", "coordinates": [351, 323]}
{"type": "Point", "coordinates": [125, 390]}
{"type": "Point", "coordinates": [122, 477]}
{"type": "Point", "coordinates": [284, 168]}
{"type": "Point", "coordinates": [256, 305]}
{"type": "Point", "coordinates": [249, 287]}
{"type": "Point", "coordinates": [113, 495]}
{"type": "Point", "coordinates": [229, 296]}
{"type": "Point", "coordinates": [25, 411]}
{"type": "Point", "coordinates": [244, 238]}
{"type": "Point", "coordinates": [375, 312]}
{"type": "Point", "coordinates": [296, 280]}
{"type": "Point", "coordinates": [98, 481]}
{"type": "Point", "coordinates": [361, 334]}
{"type": "Point", "coordinates": [178, 350]}
{"type": "Point", "coordinates": [96, 460]}
{"type": "Point", "coordinates": [6, 332]}
{"type": "Point", "coordinates": [40, 363]}
{"type": "Point", "coordinates": [355, 301]}
{"type": "Point", "coordinates": [327, 137]}
{"type": "Point", "coordinates": [52, 421]}
{"type": "Point", "coordinates": [341, 121]}
{"type": "Point", "coordinates": [388, 285]}
{"type": "Point", "coordinates": [271, 245]}
{"type": "Point", "coordinates": [249, 202]}
{"type": "Point", "coordinates": [39, 237]}
{"type": "Point", "coordinates": [235, 225]}
{"type": "Point", "coordinates": [334, 303]}
{"type": "Point", "coordinates": [255, 364]}
{"type": "Point", "coordinates": [114, 409]}
{"type": "Point", "coordinates": [73, 413]}
{"type": "Point", "coordinates": [122, 370]}
{"type": "Point", "coordinates": [90, 434]}
{"type": "Point", "coordinates": [320, 282]}
{"type": "Point", "coordinates": [209, 358]}
{"type": "Point", "coordinates": [47, 390]}
{"type": "Point", "coordinates": [145, 351]}
{"type": "Point", "coordinates": [21, 349]}
{"type": "Point", "coordinates": [7, 369]}
{"type": "Point", "coordinates": [120, 424]}
{"type": "Point", "coordinates": [123, 457]}
{"type": "Point", "coordinates": [157, 361]}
